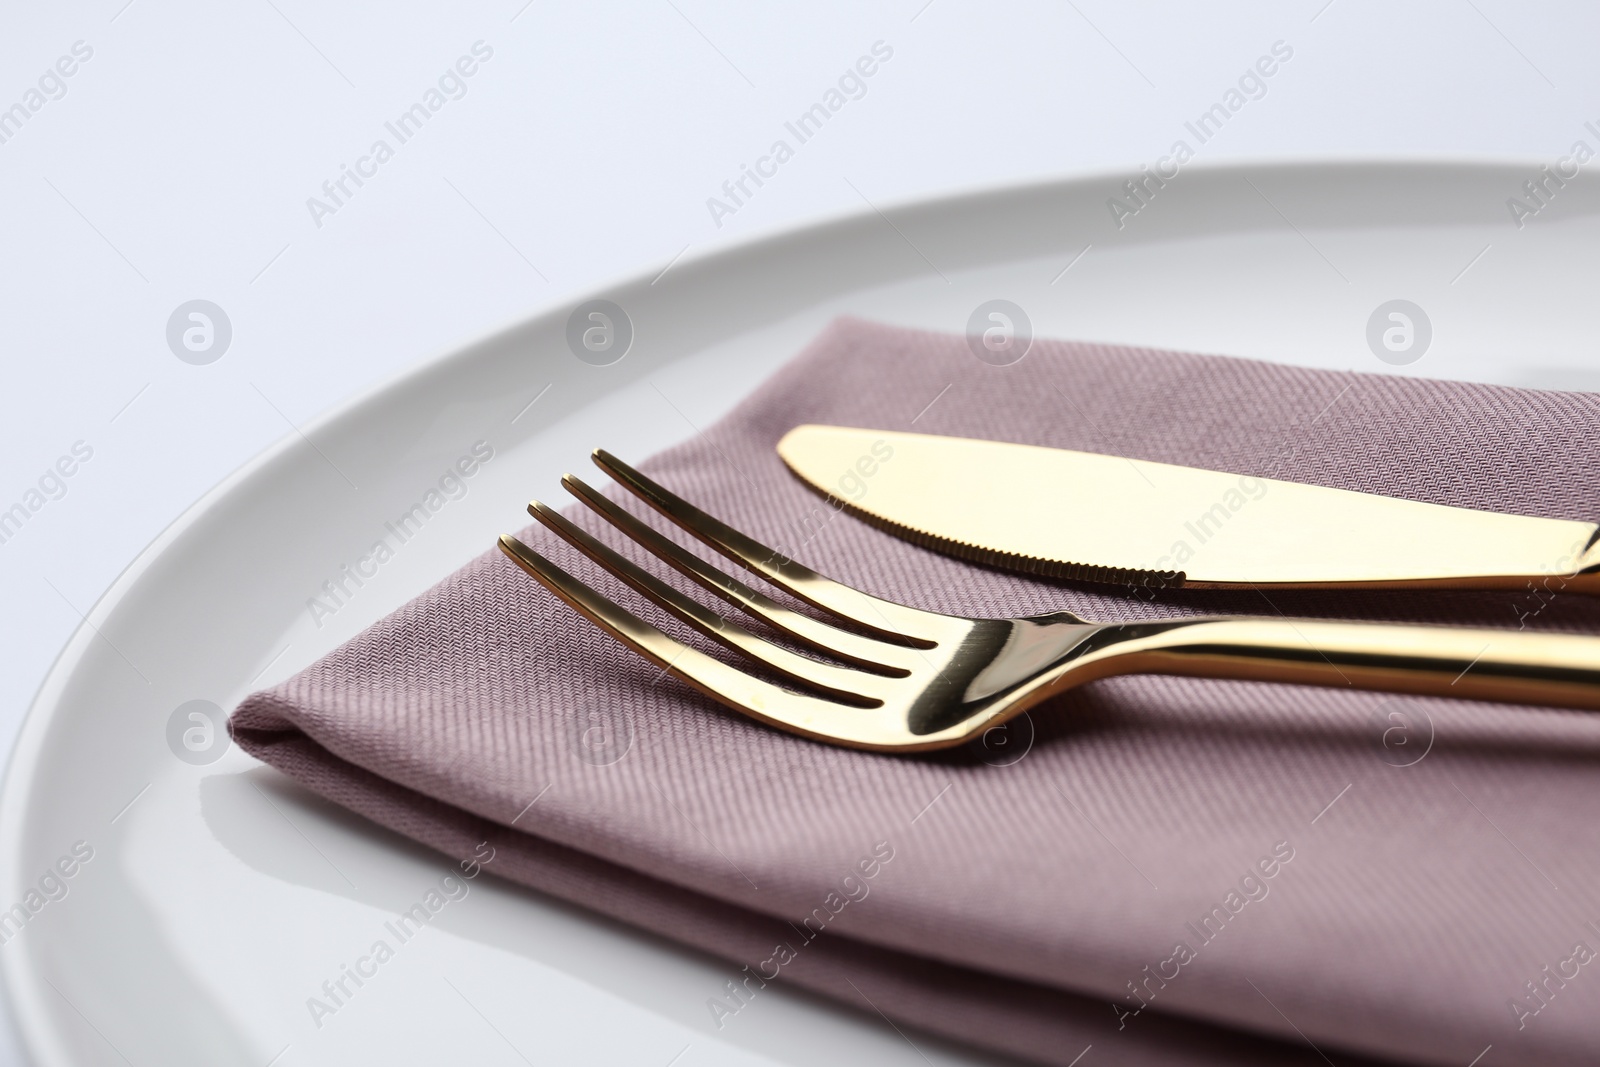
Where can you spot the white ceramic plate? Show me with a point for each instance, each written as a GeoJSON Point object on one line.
{"type": "Point", "coordinates": [219, 897]}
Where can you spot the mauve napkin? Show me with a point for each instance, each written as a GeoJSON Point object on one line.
{"type": "Point", "coordinates": [1249, 860]}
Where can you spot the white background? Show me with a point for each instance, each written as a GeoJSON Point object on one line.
{"type": "Point", "coordinates": [179, 162]}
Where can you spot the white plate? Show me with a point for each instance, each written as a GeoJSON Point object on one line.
{"type": "Point", "coordinates": [219, 897]}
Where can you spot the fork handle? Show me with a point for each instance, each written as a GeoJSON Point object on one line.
{"type": "Point", "coordinates": [1561, 670]}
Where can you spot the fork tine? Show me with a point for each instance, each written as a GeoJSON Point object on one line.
{"type": "Point", "coordinates": [847, 645]}
{"type": "Point", "coordinates": [852, 605]}
{"type": "Point", "coordinates": [840, 682]}
{"type": "Point", "coordinates": [809, 716]}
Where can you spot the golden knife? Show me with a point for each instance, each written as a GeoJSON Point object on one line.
{"type": "Point", "coordinates": [1092, 517]}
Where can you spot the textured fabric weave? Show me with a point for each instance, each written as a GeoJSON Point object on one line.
{"type": "Point", "coordinates": [1034, 907]}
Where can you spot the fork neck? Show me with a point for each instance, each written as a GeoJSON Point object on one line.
{"type": "Point", "coordinates": [1559, 670]}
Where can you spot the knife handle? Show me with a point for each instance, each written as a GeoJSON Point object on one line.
{"type": "Point", "coordinates": [1560, 670]}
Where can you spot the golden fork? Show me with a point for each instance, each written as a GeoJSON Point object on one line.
{"type": "Point", "coordinates": [908, 680]}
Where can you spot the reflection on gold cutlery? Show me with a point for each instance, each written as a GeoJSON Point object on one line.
{"type": "Point", "coordinates": [1097, 518]}
{"type": "Point", "coordinates": [884, 676]}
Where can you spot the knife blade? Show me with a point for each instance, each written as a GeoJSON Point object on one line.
{"type": "Point", "coordinates": [1092, 517]}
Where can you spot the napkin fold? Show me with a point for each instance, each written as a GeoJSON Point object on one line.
{"type": "Point", "coordinates": [1172, 871]}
